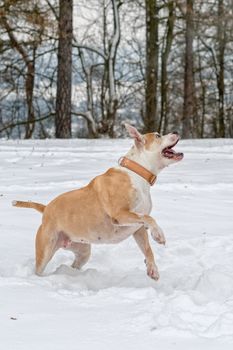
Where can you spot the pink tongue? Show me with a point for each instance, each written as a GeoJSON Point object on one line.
{"type": "Point", "coordinates": [169, 152]}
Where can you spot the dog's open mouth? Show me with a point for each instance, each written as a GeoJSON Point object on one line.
{"type": "Point", "coordinates": [169, 152]}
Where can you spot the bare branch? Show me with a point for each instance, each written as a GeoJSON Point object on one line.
{"type": "Point", "coordinates": [26, 122]}
{"type": "Point", "coordinates": [98, 52]}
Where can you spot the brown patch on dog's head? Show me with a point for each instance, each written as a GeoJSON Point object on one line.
{"type": "Point", "coordinates": [152, 139]}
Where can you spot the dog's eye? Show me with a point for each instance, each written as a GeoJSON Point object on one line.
{"type": "Point", "coordinates": [158, 135]}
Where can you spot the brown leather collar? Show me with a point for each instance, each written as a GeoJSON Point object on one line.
{"type": "Point", "coordinates": [138, 169]}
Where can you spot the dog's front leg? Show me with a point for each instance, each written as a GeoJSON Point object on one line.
{"type": "Point", "coordinates": [141, 237]}
{"type": "Point", "coordinates": [128, 218]}
{"type": "Point", "coordinates": [158, 235]}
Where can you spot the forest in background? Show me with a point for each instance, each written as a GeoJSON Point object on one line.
{"type": "Point", "coordinates": [82, 68]}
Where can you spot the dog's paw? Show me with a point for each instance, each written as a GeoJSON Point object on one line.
{"type": "Point", "coordinates": [152, 271]}
{"type": "Point", "coordinates": [158, 235]}
{"type": "Point", "coordinates": [76, 265]}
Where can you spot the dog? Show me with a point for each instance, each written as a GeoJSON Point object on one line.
{"type": "Point", "coordinates": [112, 207]}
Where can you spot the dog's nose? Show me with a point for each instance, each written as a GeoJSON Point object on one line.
{"type": "Point", "coordinates": [175, 132]}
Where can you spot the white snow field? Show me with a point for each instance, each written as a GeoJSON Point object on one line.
{"type": "Point", "coordinates": [111, 303]}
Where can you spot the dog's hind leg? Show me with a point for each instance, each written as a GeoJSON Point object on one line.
{"type": "Point", "coordinates": [46, 246]}
{"type": "Point", "coordinates": [82, 252]}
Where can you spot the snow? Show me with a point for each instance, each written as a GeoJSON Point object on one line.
{"type": "Point", "coordinates": [111, 303]}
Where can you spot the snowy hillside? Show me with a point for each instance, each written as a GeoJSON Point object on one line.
{"type": "Point", "coordinates": [111, 303]}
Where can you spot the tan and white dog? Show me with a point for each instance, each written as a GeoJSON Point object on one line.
{"type": "Point", "coordinates": [110, 208]}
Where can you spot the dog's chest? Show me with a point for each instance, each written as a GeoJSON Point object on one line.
{"type": "Point", "coordinates": [142, 203]}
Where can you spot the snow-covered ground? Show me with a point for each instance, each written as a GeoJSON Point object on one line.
{"type": "Point", "coordinates": [111, 303]}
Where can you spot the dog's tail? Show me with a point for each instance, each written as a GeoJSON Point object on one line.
{"type": "Point", "coordinates": [38, 206]}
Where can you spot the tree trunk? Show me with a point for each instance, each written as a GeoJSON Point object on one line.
{"type": "Point", "coordinates": [164, 60]}
{"type": "Point", "coordinates": [202, 93]}
{"type": "Point", "coordinates": [189, 95]}
{"type": "Point", "coordinates": [220, 77]}
{"type": "Point", "coordinates": [112, 96]}
{"type": "Point", "coordinates": [29, 87]}
{"type": "Point", "coordinates": [152, 53]}
{"type": "Point", "coordinates": [64, 74]}
{"type": "Point", "coordinates": [103, 90]}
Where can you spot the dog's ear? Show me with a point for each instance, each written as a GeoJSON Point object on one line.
{"type": "Point", "coordinates": [135, 134]}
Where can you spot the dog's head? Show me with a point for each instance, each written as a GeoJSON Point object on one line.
{"type": "Point", "coordinates": [156, 148]}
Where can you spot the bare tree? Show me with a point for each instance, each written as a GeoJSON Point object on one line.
{"type": "Point", "coordinates": [109, 101]}
{"type": "Point", "coordinates": [166, 49]}
{"type": "Point", "coordinates": [64, 73]}
{"type": "Point", "coordinates": [189, 90]}
{"type": "Point", "coordinates": [221, 42]}
{"type": "Point", "coordinates": [109, 94]}
{"type": "Point", "coordinates": [152, 55]}
{"type": "Point", "coordinates": [89, 114]}
{"type": "Point", "coordinates": [28, 56]}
